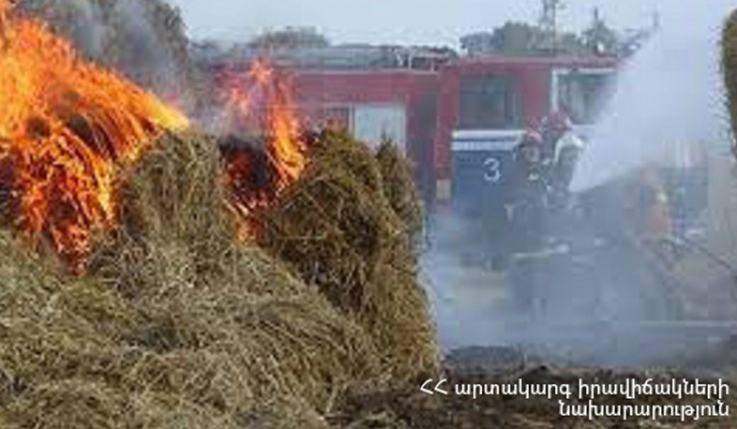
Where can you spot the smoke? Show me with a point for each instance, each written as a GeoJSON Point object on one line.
{"type": "Point", "coordinates": [599, 301]}
{"type": "Point", "coordinates": [669, 95]}
{"type": "Point", "coordinates": [143, 39]}
{"type": "Point", "coordinates": [92, 31]}
{"type": "Point", "coordinates": [147, 53]}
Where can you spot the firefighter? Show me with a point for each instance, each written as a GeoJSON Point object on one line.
{"type": "Point", "coordinates": [528, 159]}
{"type": "Point", "coordinates": [563, 149]}
{"type": "Point", "coordinates": [527, 200]}
{"type": "Point", "coordinates": [527, 208]}
{"type": "Point", "coordinates": [568, 152]}
{"type": "Point", "coordinates": [553, 128]}
{"type": "Point", "coordinates": [653, 208]}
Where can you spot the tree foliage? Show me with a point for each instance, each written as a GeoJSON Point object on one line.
{"type": "Point", "coordinates": [522, 39]}
{"type": "Point", "coordinates": [600, 38]}
{"type": "Point", "coordinates": [290, 38]}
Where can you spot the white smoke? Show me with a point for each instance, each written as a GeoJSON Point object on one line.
{"type": "Point", "coordinates": [92, 31]}
{"type": "Point", "coordinates": [140, 38]}
{"type": "Point", "coordinates": [669, 94]}
{"type": "Point", "coordinates": [147, 51]}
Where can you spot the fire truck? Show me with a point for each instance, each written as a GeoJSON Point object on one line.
{"type": "Point", "coordinates": [456, 118]}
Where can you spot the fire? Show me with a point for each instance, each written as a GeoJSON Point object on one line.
{"type": "Point", "coordinates": [286, 147]}
{"type": "Point", "coordinates": [66, 126]}
{"type": "Point", "coordinates": [261, 99]}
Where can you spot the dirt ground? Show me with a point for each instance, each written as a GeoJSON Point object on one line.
{"type": "Point", "coordinates": [412, 408]}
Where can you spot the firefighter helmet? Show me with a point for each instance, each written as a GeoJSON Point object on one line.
{"type": "Point", "coordinates": [530, 147]}
{"type": "Point", "coordinates": [531, 138]}
{"type": "Point", "coordinates": [559, 121]}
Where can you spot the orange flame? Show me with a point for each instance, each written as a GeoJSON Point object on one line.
{"type": "Point", "coordinates": [65, 127]}
{"type": "Point", "coordinates": [287, 148]}
{"type": "Point", "coordinates": [264, 96]}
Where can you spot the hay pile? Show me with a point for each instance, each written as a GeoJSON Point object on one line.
{"type": "Point", "coordinates": [144, 39]}
{"type": "Point", "coordinates": [176, 257]}
{"type": "Point", "coordinates": [338, 229]}
{"type": "Point", "coordinates": [729, 67]}
{"type": "Point", "coordinates": [175, 326]}
{"type": "Point", "coordinates": [50, 343]}
{"type": "Point", "coordinates": [399, 189]}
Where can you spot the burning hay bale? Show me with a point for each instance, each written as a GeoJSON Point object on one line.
{"type": "Point", "coordinates": [175, 324]}
{"type": "Point", "coordinates": [729, 66]}
{"type": "Point", "coordinates": [169, 317]}
{"type": "Point", "coordinates": [336, 227]}
{"type": "Point", "coordinates": [67, 125]}
{"type": "Point", "coordinates": [176, 257]}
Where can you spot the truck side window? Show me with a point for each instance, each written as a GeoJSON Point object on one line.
{"type": "Point", "coordinates": [583, 96]}
{"type": "Point", "coordinates": [488, 102]}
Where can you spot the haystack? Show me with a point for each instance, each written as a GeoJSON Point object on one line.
{"type": "Point", "coordinates": [52, 337]}
{"type": "Point", "coordinates": [729, 66]}
{"type": "Point", "coordinates": [338, 230]}
{"type": "Point", "coordinates": [399, 187]}
{"type": "Point", "coordinates": [175, 325]}
{"type": "Point", "coordinates": [176, 258]}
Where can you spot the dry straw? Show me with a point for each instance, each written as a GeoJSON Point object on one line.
{"type": "Point", "coordinates": [399, 188]}
{"type": "Point", "coordinates": [176, 325]}
{"type": "Point", "coordinates": [177, 260]}
{"type": "Point", "coordinates": [337, 228]}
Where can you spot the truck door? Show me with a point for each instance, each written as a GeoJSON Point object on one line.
{"type": "Point", "coordinates": [482, 174]}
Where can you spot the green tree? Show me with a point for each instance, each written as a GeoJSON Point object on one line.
{"type": "Point", "coordinates": [478, 43]}
{"type": "Point", "coordinates": [290, 38]}
{"type": "Point", "coordinates": [515, 38]}
{"type": "Point", "coordinates": [600, 38]}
